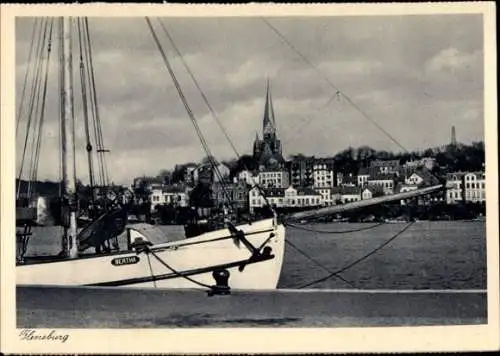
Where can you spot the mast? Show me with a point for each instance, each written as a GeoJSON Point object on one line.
{"type": "Point", "coordinates": [70, 246]}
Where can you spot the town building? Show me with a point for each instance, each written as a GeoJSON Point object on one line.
{"type": "Point", "coordinates": [327, 196]}
{"type": "Point", "coordinates": [175, 195]}
{"type": "Point", "coordinates": [302, 197]}
{"type": "Point", "coordinates": [384, 167]}
{"type": "Point", "coordinates": [275, 196]}
{"type": "Point", "coordinates": [384, 180]}
{"type": "Point", "coordinates": [346, 194]}
{"type": "Point", "coordinates": [274, 178]}
{"type": "Point", "coordinates": [420, 176]}
{"type": "Point", "coordinates": [301, 171]}
{"type": "Point", "coordinates": [455, 187]}
{"type": "Point", "coordinates": [247, 177]}
{"type": "Point", "coordinates": [475, 187]}
{"type": "Point", "coordinates": [205, 173]}
{"type": "Point", "coordinates": [371, 191]}
{"type": "Point", "coordinates": [363, 176]}
{"type": "Point", "coordinates": [323, 173]}
{"type": "Point", "coordinates": [346, 180]}
{"type": "Point", "coordinates": [233, 195]}
{"type": "Point", "coordinates": [427, 162]}
{"type": "Point", "coordinates": [290, 197]}
{"type": "Point", "coordinates": [189, 174]}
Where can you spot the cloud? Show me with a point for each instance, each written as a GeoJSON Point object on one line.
{"type": "Point", "coordinates": [451, 60]}
{"type": "Point", "coordinates": [415, 76]}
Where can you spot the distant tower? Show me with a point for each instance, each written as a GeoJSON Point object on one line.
{"type": "Point", "coordinates": [267, 151]}
{"type": "Point", "coordinates": [269, 122]}
{"type": "Point", "coordinates": [453, 136]}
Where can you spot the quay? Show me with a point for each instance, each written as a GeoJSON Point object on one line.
{"type": "Point", "coordinates": [89, 307]}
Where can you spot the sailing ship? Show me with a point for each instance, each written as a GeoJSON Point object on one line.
{"type": "Point", "coordinates": [244, 256]}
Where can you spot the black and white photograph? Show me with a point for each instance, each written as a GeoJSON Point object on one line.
{"type": "Point", "coordinates": [197, 173]}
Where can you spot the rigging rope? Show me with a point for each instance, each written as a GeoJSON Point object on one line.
{"type": "Point", "coordinates": [201, 284]}
{"type": "Point", "coordinates": [338, 92]}
{"type": "Point", "coordinates": [62, 99]}
{"type": "Point", "coordinates": [359, 260]}
{"type": "Point", "coordinates": [188, 109]}
{"type": "Point", "coordinates": [34, 169]}
{"type": "Point", "coordinates": [34, 99]}
{"type": "Point", "coordinates": [26, 75]}
{"type": "Point", "coordinates": [212, 111]}
{"type": "Point", "coordinates": [318, 263]}
{"type": "Point", "coordinates": [85, 109]}
{"type": "Point", "coordinates": [95, 108]}
{"type": "Point", "coordinates": [333, 232]}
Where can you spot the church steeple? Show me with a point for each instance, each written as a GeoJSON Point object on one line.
{"type": "Point", "coordinates": [268, 122]}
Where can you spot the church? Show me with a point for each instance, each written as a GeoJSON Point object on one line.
{"type": "Point", "coordinates": [267, 151]}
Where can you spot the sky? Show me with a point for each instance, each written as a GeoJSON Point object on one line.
{"type": "Point", "coordinates": [415, 76]}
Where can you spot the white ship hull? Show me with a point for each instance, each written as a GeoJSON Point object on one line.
{"type": "Point", "coordinates": [173, 264]}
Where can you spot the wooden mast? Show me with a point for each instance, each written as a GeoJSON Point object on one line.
{"type": "Point", "coordinates": [68, 146]}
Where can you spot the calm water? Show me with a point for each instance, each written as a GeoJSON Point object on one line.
{"type": "Point", "coordinates": [435, 255]}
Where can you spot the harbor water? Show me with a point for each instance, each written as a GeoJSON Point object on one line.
{"type": "Point", "coordinates": [428, 255]}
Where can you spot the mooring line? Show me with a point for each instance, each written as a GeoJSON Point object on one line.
{"type": "Point", "coordinates": [358, 260]}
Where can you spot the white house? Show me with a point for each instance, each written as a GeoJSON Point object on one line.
{"type": "Point", "coordinates": [363, 176]}
{"type": "Point", "coordinates": [414, 179]}
{"type": "Point", "coordinates": [401, 188]}
{"type": "Point", "coordinates": [323, 176]}
{"type": "Point", "coordinates": [275, 197]}
{"type": "Point", "coordinates": [371, 191]}
{"type": "Point", "coordinates": [327, 196]}
{"type": "Point", "coordinates": [475, 187]}
{"type": "Point", "coordinates": [278, 178]}
{"type": "Point", "coordinates": [248, 178]}
{"type": "Point", "coordinates": [302, 197]}
{"type": "Point", "coordinates": [350, 194]}
{"type": "Point", "coordinates": [455, 187]}
{"type": "Point", "coordinates": [177, 196]}
{"type": "Point", "coordinates": [255, 199]}
{"type": "Point", "coordinates": [386, 181]}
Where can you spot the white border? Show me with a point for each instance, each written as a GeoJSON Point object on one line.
{"type": "Point", "coordinates": [449, 338]}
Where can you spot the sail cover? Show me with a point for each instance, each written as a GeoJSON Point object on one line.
{"type": "Point", "coordinates": [108, 225]}
{"type": "Point", "coordinates": [150, 232]}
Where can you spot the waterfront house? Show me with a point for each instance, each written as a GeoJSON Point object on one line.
{"type": "Point", "coordinates": [327, 195]}
{"type": "Point", "coordinates": [275, 196]}
{"type": "Point", "coordinates": [372, 191]}
{"type": "Point", "coordinates": [274, 178]}
{"type": "Point", "coordinates": [175, 195]}
{"type": "Point", "coordinates": [301, 171]}
{"type": "Point", "coordinates": [346, 180]}
{"type": "Point", "coordinates": [386, 181]}
{"type": "Point", "coordinates": [350, 194]}
{"type": "Point", "coordinates": [302, 197]}
{"type": "Point", "coordinates": [455, 187]}
{"type": "Point", "coordinates": [475, 187]}
{"type": "Point", "coordinates": [323, 173]}
{"type": "Point", "coordinates": [363, 176]}
{"type": "Point", "coordinates": [231, 194]}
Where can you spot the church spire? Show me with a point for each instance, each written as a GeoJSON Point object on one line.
{"type": "Point", "coordinates": [269, 123]}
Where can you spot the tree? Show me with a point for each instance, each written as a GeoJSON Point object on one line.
{"type": "Point", "coordinates": [166, 176]}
